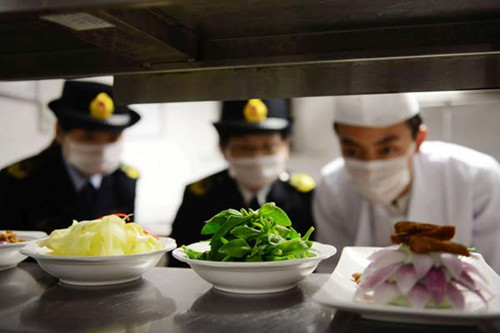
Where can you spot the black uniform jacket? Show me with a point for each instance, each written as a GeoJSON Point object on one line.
{"type": "Point", "coordinates": [207, 197]}
{"type": "Point", "coordinates": [38, 194]}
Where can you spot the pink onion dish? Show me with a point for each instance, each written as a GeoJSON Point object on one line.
{"type": "Point", "coordinates": [399, 276]}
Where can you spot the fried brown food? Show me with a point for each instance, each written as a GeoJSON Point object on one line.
{"type": "Point", "coordinates": [412, 227]}
{"type": "Point", "coordinates": [356, 277]}
{"type": "Point", "coordinates": [426, 237]}
{"type": "Point", "coordinates": [424, 244]}
{"type": "Point", "coordinates": [9, 237]}
{"type": "Point", "coordinates": [442, 232]}
{"type": "Point", "coordinates": [400, 238]}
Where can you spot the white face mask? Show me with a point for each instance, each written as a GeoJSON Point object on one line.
{"type": "Point", "coordinates": [92, 159]}
{"type": "Point", "coordinates": [381, 181]}
{"type": "Point", "coordinates": [257, 172]}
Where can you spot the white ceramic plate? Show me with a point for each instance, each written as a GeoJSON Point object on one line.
{"type": "Point", "coordinates": [340, 288]}
{"type": "Point", "coordinates": [98, 270]}
{"type": "Point", "coordinates": [9, 253]}
{"type": "Point", "coordinates": [254, 277]}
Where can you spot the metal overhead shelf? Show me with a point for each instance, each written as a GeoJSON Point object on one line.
{"type": "Point", "coordinates": [186, 50]}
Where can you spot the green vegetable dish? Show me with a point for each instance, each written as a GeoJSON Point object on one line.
{"type": "Point", "coordinates": [252, 236]}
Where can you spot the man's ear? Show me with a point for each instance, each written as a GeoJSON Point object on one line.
{"type": "Point", "coordinates": [288, 145]}
{"type": "Point", "coordinates": [59, 133]}
{"type": "Point", "coordinates": [421, 136]}
{"type": "Point", "coordinates": [223, 151]}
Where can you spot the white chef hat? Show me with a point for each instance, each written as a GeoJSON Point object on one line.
{"type": "Point", "coordinates": [375, 110]}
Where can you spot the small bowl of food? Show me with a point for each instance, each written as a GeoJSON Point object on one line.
{"type": "Point", "coordinates": [253, 251]}
{"type": "Point", "coordinates": [99, 252]}
{"type": "Point", "coordinates": [11, 241]}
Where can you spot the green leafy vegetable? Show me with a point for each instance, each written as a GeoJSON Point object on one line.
{"type": "Point", "coordinates": [210, 228]}
{"type": "Point", "coordinates": [250, 236]}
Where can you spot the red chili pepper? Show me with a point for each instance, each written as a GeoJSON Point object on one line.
{"type": "Point", "coordinates": [127, 218]}
{"type": "Point", "coordinates": [148, 233]}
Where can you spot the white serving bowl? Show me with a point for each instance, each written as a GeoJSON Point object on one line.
{"type": "Point", "coordinates": [9, 253]}
{"type": "Point", "coordinates": [255, 277]}
{"type": "Point", "coordinates": [98, 270]}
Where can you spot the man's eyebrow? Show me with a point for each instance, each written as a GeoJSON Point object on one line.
{"type": "Point", "coordinates": [387, 139]}
{"type": "Point", "coordinates": [347, 141]}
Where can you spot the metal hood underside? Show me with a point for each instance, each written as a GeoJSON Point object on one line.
{"type": "Point", "coordinates": [174, 50]}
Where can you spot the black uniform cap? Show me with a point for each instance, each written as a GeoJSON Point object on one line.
{"type": "Point", "coordinates": [73, 109]}
{"type": "Point", "coordinates": [254, 116]}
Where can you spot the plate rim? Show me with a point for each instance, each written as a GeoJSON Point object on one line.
{"type": "Point", "coordinates": [34, 233]}
{"type": "Point", "coordinates": [179, 254]}
{"type": "Point", "coordinates": [384, 311]}
{"type": "Point", "coordinates": [168, 242]}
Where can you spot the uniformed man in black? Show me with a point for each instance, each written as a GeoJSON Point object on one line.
{"type": "Point", "coordinates": [255, 140]}
{"type": "Point", "coordinates": [80, 175]}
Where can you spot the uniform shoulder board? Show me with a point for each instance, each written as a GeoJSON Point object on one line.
{"type": "Point", "coordinates": [22, 169]}
{"type": "Point", "coordinates": [302, 182]}
{"type": "Point", "coordinates": [130, 171]}
{"type": "Point", "coordinates": [201, 187]}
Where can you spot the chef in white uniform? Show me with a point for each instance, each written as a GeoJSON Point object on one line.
{"type": "Point", "coordinates": [387, 173]}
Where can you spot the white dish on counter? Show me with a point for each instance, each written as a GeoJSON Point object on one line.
{"type": "Point", "coordinates": [254, 277]}
{"type": "Point", "coordinates": [340, 288]}
{"type": "Point", "coordinates": [9, 253]}
{"type": "Point", "coordinates": [98, 270]}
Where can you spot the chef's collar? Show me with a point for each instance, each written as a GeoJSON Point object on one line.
{"type": "Point", "coordinates": [399, 206]}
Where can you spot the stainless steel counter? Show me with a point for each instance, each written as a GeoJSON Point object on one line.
{"type": "Point", "coordinates": [177, 300]}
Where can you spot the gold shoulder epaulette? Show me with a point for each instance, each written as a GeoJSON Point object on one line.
{"type": "Point", "coordinates": [302, 182]}
{"type": "Point", "coordinates": [22, 169]}
{"type": "Point", "coordinates": [130, 171]}
{"type": "Point", "coordinates": [201, 187]}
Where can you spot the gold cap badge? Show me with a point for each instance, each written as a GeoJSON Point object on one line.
{"type": "Point", "coordinates": [255, 111]}
{"type": "Point", "coordinates": [102, 107]}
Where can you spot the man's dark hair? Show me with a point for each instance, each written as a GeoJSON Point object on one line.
{"type": "Point", "coordinates": [225, 135]}
{"type": "Point", "coordinates": [414, 124]}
